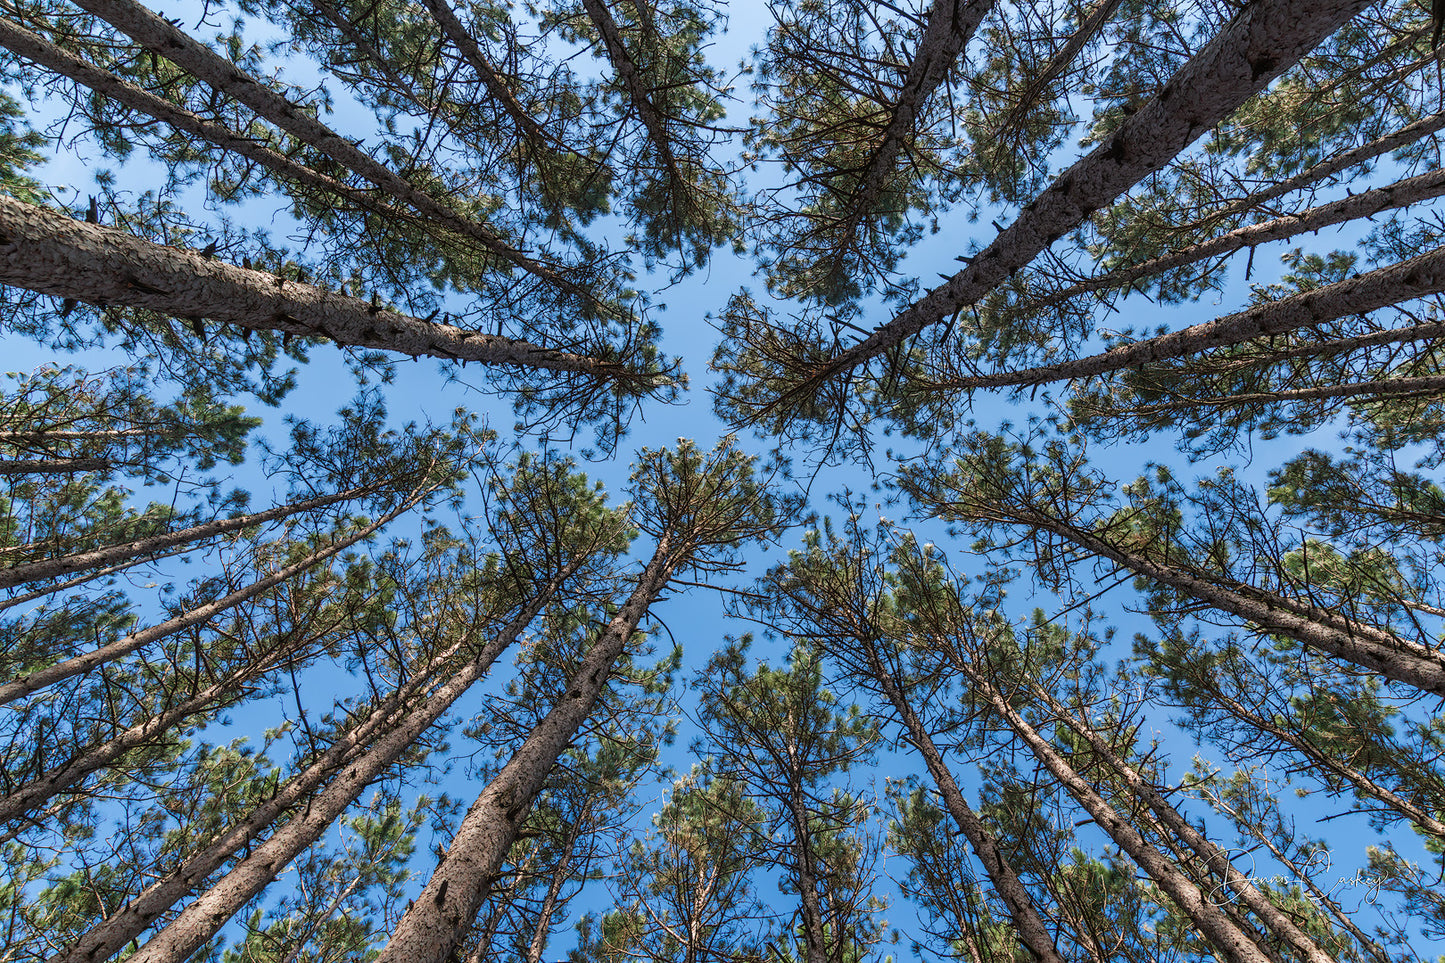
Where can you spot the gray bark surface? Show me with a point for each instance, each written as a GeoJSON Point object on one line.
{"type": "Point", "coordinates": [438, 920]}
{"type": "Point", "coordinates": [204, 916]}
{"type": "Point", "coordinates": [108, 937]}
{"type": "Point", "coordinates": [52, 254]}
{"type": "Point", "coordinates": [951, 24]}
{"type": "Point", "coordinates": [1364, 645]}
{"type": "Point", "coordinates": [1398, 195]}
{"type": "Point", "coordinates": [1215, 926]}
{"type": "Point", "coordinates": [1218, 861]}
{"type": "Point", "coordinates": [1264, 40]}
{"type": "Point", "coordinates": [36, 49]}
{"type": "Point", "coordinates": [1030, 927]}
{"type": "Point", "coordinates": [57, 779]}
{"type": "Point", "coordinates": [1393, 284]}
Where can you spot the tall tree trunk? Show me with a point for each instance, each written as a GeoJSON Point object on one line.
{"type": "Point", "coordinates": [1361, 294]}
{"type": "Point", "coordinates": [951, 24]}
{"type": "Point", "coordinates": [39, 679]}
{"type": "Point", "coordinates": [81, 561]}
{"type": "Point", "coordinates": [805, 878]}
{"type": "Point", "coordinates": [1030, 927]}
{"type": "Point", "coordinates": [53, 466]}
{"type": "Point", "coordinates": [1364, 645]}
{"type": "Point", "coordinates": [438, 920]}
{"type": "Point", "coordinates": [1222, 933]}
{"type": "Point", "coordinates": [1393, 197]}
{"type": "Point", "coordinates": [204, 916]}
{"type": "Point", "coordinates": [1322, 760]}
{"type": "Point", "coordinates": [1216, 859]}
{"type": "Point", "coordinates": [108, 937]}
{"type": "Point", "coordinates": [1264, 40]}
{"type": "Point", "coordinates": [532, 133]}
{"type": "Point", "coordinates": [163, 38]}
{"type": "Point", "coordinates": [50, 253]}
{"type": "Point", "coordinates": [40, 51]}
{"type": "Point", "coordinates": [1331, 166]}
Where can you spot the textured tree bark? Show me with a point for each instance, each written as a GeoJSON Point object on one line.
{"type": "Point", "coordinates": [1427, 386]}
{"type": "Point", "coordinates": [39, 679]}
{"type": "Point", "coordinates": [434, 927]}
{"type": "Point", "coordinates": [53, 466]}
{"type": "Point", "coordinates": [1398, 195]}
{"type": "Point", "coordinates": [1343, 161]}
{"type": "Point", "coordinates": [452, 27]}
{"type": "Point", "coordinates": [543, 929]}
{"type": "Point", "coordinates": [805, 878]}
{"type": "Point", "coordinates": [52, 254]}
{"type": "Point", "coordinates": [1028, 924]}
{"type": "Point", "coordinates": [1417, 277]}
{"type": "Point", "coordinates": [638, 92]}
{"type": "Point", "coordinates": [56, 587]}
{"type": "Point", "coordinates": [1059, 62]}
{"type": "Point", "coordinates": [1216, 927]}
{"type": "Point", "coordinates": [81, 561]}
{"type": "Point", "coordinates": [1264, 40]}
{"type": "Point", "coordinates": [204, 916]}
{"type": "Point", "coordinates": [1218, 861]}
{"type": "Point", "coordinates": [165, 39]}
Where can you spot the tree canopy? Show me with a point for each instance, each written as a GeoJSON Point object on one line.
{"type": "Point", "coordinates": [1046, 570]}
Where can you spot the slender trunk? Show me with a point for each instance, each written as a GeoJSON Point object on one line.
{"type": "Point", "coordinates": [163, 38]}
{"type": "Point", "coordinates": [1329, 762]}
{"type": "Point", "coordinates": [1364, 645]}
{"type": "Point", "coordinates": [805, 877]}
{"type": "Point", "coordinates": [20, 437]}
{"type": "Point", "coordinates": [1215, 858]}
{"type": "Point", "coordinates": [434, 927]}
{"type": "Point", "coordinates": [36, 49]}
{"type": "Point", "coordinates": [639, 90]}
{"type": "Point", "coordinates": [336, 901]}
{"type": "Point", "coordinates": [39, 679]}
{"type": "Point", "coordinates": [1058, 63]}
{"type": "Point", "coordinates": [108, 937]}
{"type": "Point", "coordinates": [80, 561]}
{"type": "Point", "coordinates": [1394, 197]}
{"type": "Point", "coordinates": [50, 253]}
{"type": "Point", "coordinates": [89, 576]}
{"type": "Point", "coordinates": [532, 132]}
{"type": "Point", "coordinates": [1232, 942]}
{"type": "Point", "coordinates": [1361, 294]}
{"type": "Point", "coordinates": [951, 24]}
{"type": "Point", "coordinates": [1303, 875]}
{"type": "Point", "coordinates": [59, 778]}
{"type": "Point", "coordinates": [204, 916]}
{"type": "Point", "coordinates": [543, 929]}
{"type": "Point", "coordinates": [53, 466]}
{"type": "Point", "coordinates": [1343, 161]}
{"type": "Point", "coordinates": [1262, 41]}
{"type": "Point", "coordinates": [1426, 386]}
{"type": "Point", "coordinates": [1028, 924]}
